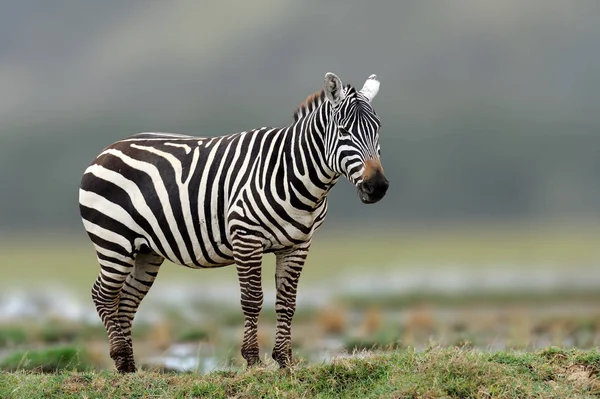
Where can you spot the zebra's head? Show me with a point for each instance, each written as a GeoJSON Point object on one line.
{"type": "Point", "coordinates": [352, 137]}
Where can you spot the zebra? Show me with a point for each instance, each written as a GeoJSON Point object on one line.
{"type": "Point", "coordinates": [207, 202]}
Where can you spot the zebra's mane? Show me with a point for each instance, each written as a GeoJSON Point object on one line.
{"type": "Point", "coordinates": [312, 102]}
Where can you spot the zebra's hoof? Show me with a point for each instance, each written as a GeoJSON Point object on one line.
{"type": "Point", "coordinates": [254, 362]}
{"type": "Point", "coordinates": [126, 369]}
{"type": "Point", "coordinates": [125, 365]}
{"type": "Point", "coordinates": [283, 360]}
{"type": "Point", "coordinates": [251, 355]}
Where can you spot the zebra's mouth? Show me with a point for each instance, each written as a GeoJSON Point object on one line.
{"type": "Point", "coordinates": [372, 191]}
{"type": "Point", "coordinates": [367, 198]}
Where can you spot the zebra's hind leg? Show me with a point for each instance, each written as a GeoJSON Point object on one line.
{"type": "Point", "coordinates": [106, 292]}
{"type": "Point", "coordinates": [288, 267]}
{"type": "Point", "coordinates": [247, 252]}
{"type": "Point", "coordinates": [136, 286]}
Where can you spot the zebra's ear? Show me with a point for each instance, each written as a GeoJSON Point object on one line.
{"type": "Point", "coordinates": [333, 88]}
{"type": "Point", "coordinates": [371, 87]}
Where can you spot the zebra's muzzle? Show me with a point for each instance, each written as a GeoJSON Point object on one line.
{"type": "Point", "coordinates": [373, 189]}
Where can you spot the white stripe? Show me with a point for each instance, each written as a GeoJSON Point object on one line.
{"type": "Point", "coordinates": [184, 146]}
{"type": "Point", "coordinates": [107, 235]}
{"type": "Point", "coordinates": [301, 197]}
{"type": "Point", "coordinates": [112, 254]}
{"type": "Point", "coordinates": [95, 201]}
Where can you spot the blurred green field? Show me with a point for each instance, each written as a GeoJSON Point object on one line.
{"type": "Point", "coordinates": [69, 259]}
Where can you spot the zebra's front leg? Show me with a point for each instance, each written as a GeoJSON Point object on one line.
{"type": "Point", "coordinates": [287, 273]}
{"type": "Point", "coordinates": [247, 252]}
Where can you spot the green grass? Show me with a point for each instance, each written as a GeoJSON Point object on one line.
{"type": "Point", "coordinates": [389, 338]}
{"type": "Point", "coordinates": [11, 336]}
{"type": "Point", "coordinates": [69, 259]}
{"type": "Point", "coordinates": [482, 298]}
{"type": "Point", "coordinates": [46, 360]}
{"type": "Point", "coordinates": [434, 373]}
{"type": "Point", "coordinates": [193, 335]}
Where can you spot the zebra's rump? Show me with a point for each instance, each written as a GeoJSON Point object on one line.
{"type": "Point", "coordinates": [163, 191]}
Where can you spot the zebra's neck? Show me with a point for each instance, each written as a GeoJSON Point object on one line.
{"type": "Point", "coordinates": [312, 178]}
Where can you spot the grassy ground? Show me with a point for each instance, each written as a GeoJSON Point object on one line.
{"type": "Point", "coordinates": [433, 373]}
{"type": "Point", "coordinates": [356, 321]}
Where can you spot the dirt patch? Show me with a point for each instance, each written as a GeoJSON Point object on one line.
{"type": "Point", "coordinates": [580, 375]}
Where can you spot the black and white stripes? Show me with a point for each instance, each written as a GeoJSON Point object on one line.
{"type": "Point", "coordinates": [211, 202]}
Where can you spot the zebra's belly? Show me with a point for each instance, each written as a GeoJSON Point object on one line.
{"type": "Point", "coordinates": [212, 256]}
{"type": "Point", "coordinates": [220, 255]}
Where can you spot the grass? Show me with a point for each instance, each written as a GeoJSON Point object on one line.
{"type": "Point", "coordinates": [389, 338]}
{"type": "Point", "coordinates": [193, 335]}
{"type": "Point", "coordinates": [401, 300]}
{"type": "Point", "coordinates": [434, 373]}
{"type": "Point", "coordinates": [12, 336]}
{"type": "Point", "coordinates": [69, 259]}
{"type": "Point", "coordinates": [452, 372]}
{"type": "Point", "coordinates": [45, 360]}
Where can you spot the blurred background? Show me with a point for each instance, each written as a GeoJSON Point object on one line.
{"type": "Point", "coordinates": [487, 237]}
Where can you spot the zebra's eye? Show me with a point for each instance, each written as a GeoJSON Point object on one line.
{"type": "Point", "coordinates": [343, 131]}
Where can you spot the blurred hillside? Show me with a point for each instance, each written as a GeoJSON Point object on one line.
{"type": "Point", "coordinates": [489, 109]}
